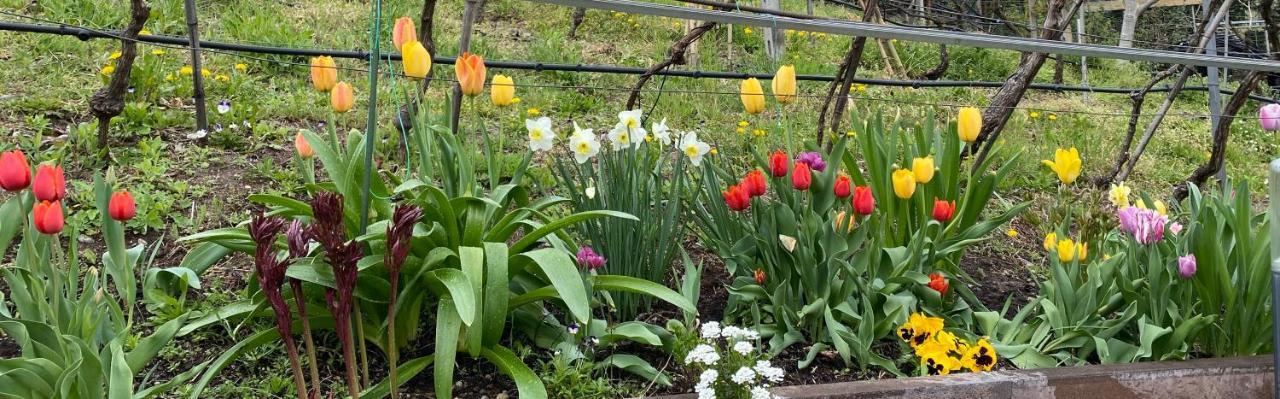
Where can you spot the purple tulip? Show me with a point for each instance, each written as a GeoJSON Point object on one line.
{"type": "Point", "coordinates": [1175, 228]}
{"type": "Point", "coordinates": [1145, 225]}
{"type": "Point", "coordinates": [813, 160]}
{"type": "Point", "coordinates": [1269, 116]}
{"type": "Point", "coordinates": [1187, 266]}
{"type": "Point", "coordinates": [588, 259]}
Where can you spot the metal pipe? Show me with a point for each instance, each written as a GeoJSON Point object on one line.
{"type": "Point", "coordinates": [197, 78]}
{"type": "Point", "coordinates": [1274, 187]}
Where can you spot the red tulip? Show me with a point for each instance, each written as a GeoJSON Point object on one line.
{"type": "Point", "coordinates": [47, 217]}
{"type": "Point", "coordinates": [802, 178]}
{"type": "Point", "coordinates": [754, 183]}
{"type": "Point", "coordinates": [943, 210]}
{"type": "Point", "coordinates": [122, 208]}
{"type": "Point", "coordinates": [842, 186]}
{"type": "Point", "coordinates": [939, 283]}
{"type": "Point", "coordinates": [863, 201]}
{"type": "Point", "coordinates": [15, 174]}
{"type": "Point", "coordinates": [737, 198]}
{"type": "Point", "coordinates": [49, 184]}
{"type": "Point", "coordinates": [759, 276]}
{"type": "Point", "coordinates": [778, 163]}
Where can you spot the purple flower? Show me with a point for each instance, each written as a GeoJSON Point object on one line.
{"type": "Point", "coordinates": [1145, 225]}
{"type": "Point", "coordinates": [589, 259]}
{"type": "Point", "coordinates": [573, 328]}
{"type": "Point", "coordinates": [1187, 266]}
{"type": "Point", "coordinates": [813, 160]}
{"type": "Point", "coordinates": [298, 239]}
{"type": "Point", "coordinates": [1175, 228]}
{"type": "Point", "coordinates": [1269, 117]}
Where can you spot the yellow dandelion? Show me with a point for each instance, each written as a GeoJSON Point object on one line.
{"type": "Point", "coordinates": [533, 112]}
{"type": "Point", "coordinates": [515, 100]}
{"type": "Point", "coordinates": [109, 69]}
{"type": "Point", "coordinates": [746, 30]}
{"type": "Point", "coordinates": [242, 67]}
{"type": "Point", "coordinates": [115, 55]}
{"type": "Point", "coordinates": [205, 72]}
{"type": "Point", "coordinates": [741, 130]}
{"type": "Point", "coordinates": [1011, 233]}
{"type": "Point", "coordinates": [185, 71]}
{"type": "Point", "coordinates": [157, 52]}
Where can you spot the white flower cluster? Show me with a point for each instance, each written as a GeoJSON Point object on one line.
{"type": "Point", "coordinates": [706, 384]}
{"type": "Point", "coordinates": [628, 133]}
{"type": "Point", "coordinates": [746, 373]}
{"type": "Point", "coordinates": [768, 372]}
{"type": "Point", "coordinates": [703, 353]}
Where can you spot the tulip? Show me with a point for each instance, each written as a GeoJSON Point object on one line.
{"type": "Point", "coordinates": [969, 124]}
{"type": "Point", "coordinates": [784, 84]}
{"type": "Point", "coordinates": [1187, 266]}
{"type": "Point", "coordinates": [844, 224]}
{"type": "Point", "coordinates": [752, 96]}
{"type": "Point", "coordinates": [1269, 116]}
{"type": "Point", "coordinates": [923, 169]}
{"type": "Point", "coordinates": [121, 207]}
{"type": "Point", "coordinates": [416, 60]}
{"type": "Point", "coordinates": [47, 217]}
{"type": "Point", "coordinates": [404, 32]}
{"type": "Point", "coordinates": [589, 259]}
{"type": "Point", "coordinates": [863, 201]}
{"type": "Point", "coordinates": [943, 211]}
{"type": "Point", "coordinates": [1066, 163]}
{"type": "Point", "coordinates": [342, 98]}
{"type": "Point", "coordinates": [802, 177]}
{"type": "Point", "coordinates": [778, 163]}
{"type": "Point", "coordinates": [49, 185]}
{"type": "Point", "coordinates": [470, 70]}
{"type": "Point", "coordinates": [1082, 251]}
{"type": "Point", "coordinates": [736, 198]}
{"type": "Point", "coordinates": [304, 148]}
{"type": "Point", "coordinates": [324, 73]}
{"type": "Point", "coordinates": [15, 173]}
{"type": "Point", "coordinates": [842, 188]}
{"type": "Point", "coordinates": [502, 90]}
{"type": "Point", "coordinates": [754, 183]}
{"type": "Point", "coordinates": [939, 283]}
{"type": "Point", "coordinates": [1050, 241]}
{"type": "Point", "coordinates": [813, 159]}
{"type": "Point", "coordinates": [1067, 250]}
{"type": "Point", "coordinates": [904, 183]}
{"type": "Point", "coordinates": [759, 276]}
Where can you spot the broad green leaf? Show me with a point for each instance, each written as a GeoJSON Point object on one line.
{"type": "Point", "coordinates": [640, 286]}
{"type": "Point", "coordinates": [562, 272]}
{"type": "Point", "coordinates": [528, 385]}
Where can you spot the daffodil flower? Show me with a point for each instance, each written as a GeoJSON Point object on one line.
{"type": "Point", "coordinates": [583, 143]}
{"type": "Point", "coordinates": [693, 148]}
{"type": "Point", "coordinates": [541, 137]}
{"type": "Point", "coordinates": [661, 132]}
{"type": "Point", "coordinates": [628, 131]}
{"type": "Point", "coordinates": [1119, 195]}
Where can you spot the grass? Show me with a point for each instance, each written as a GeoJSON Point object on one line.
{"type": "Point", "coordinates": [185, 185]}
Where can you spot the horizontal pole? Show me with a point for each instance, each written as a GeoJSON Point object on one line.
{"type": "Point", "coordinates": [88, 34]}
{"type": "Point", "coordinates": [971, 39]}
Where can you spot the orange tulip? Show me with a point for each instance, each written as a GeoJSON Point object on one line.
{"type": "Point", "coordinates": [470, 70]}
{"type": "Point", "coordinates": [342, 97]}
{"type": "Point", "coordinates": [303, 147]}
{"type": "Point", "coordinates": [404, 32]}
{"type": "Point", "coordinates": [324, 73]}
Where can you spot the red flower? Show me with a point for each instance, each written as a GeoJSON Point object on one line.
{"type": "Point", "coordinates": [49, 184]}
{"type": "Point", "coordinates": [778, 163]}
{"type": "Point", "coordinates": [939, 283]}
{"type": "Point", "coordinates": [943, 210]}
{"type": "Point", "coordinates": [122, 208]}
{"type": "Point", "coordinates": [15, 174]}
{"type": "Point", "coordinates": [736, 198]}
{"type": "Point", "coordinates": [47, 217]}
{"type": "Point", "coordinates": [801, 178]}
{"type": "Point", "coordinates": [863, 201]}
{"type": "Point", "coordinates": [759, 276]}
{"type": "Point", "coordinates": [842, 186]}
{"type": "Point", "coordinates": [754, 183]}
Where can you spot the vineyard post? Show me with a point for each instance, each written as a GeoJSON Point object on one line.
{"type": "Point", "coordinates": [197, 78]}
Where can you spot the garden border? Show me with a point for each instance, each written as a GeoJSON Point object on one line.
{"type": "Point", "coordinates": [1239, 377]}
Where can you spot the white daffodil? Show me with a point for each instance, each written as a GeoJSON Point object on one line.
{"type": "Point", "coordinates": [661, 132]}
{"type": "Point", "coordinates": [693, 148]}
{"type": "Point", "coordinates": [540, 134]}
{"type": "Point", "coordinates": [628, 131]}
{"type": "Point", "coordinates": [583, 143]}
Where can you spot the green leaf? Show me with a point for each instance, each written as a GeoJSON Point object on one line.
{"type": "Point", "coordinates": [641, 286]}
{"type": "Point", "coordinates": [203, 256]}
{"type": "Point", "coordinates": [404, 372]}
{"type": "Point", "coordinates": [455, 285]}
{"type": "Point", "coordinates": [560, 269]}
{"type": "Point", "coordinates": [120, 377]}
{"type": "Point", "coordinates": [528, 385]}
{"type": "Point", "coordinates": [635, 365]}
{"type": "Point", "coordinates": [630, 331]}
{"type": "Point", "coordinates": [496, 291]}
{"type": "Point", "coordinates": [447, 329]}
{"type": "Point", "coordinates": [555, 226]}
{"type": "Point", "coordinates": [150, 346]}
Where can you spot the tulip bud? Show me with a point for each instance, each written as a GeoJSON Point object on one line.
{"type": "Point", "coordinates": [802, 177]}
{"type": "Point", "coordinates": [736, 198]}
{"type": "Point", "coordinates": [416, 59]}
{"type": "Point", "coordinates": [778, 163]}
{"type": "Point", "coordinates": [303, 147]}
{"type": "Point", "coordinates": [404, 32]}
{"type": "Point", "coordinates": [939, 283]}
{"type": "Point", "coordinates": [97, 295]}
{"type": "Point", "coordinates": [842, 188]}
{"type": "Point", "coordinates": [15, 173]}
{"type": "Point", "coordinates": [121, 207]}
{"type": "Point", "coordinates": [1050, 241]}
{"type": "Point", "coordinates": [502, 90]}
{"type": "Point", "coordinates": [863, 202]}
{"type": "Point", "coordinates": [759, 274]}
{"type": "Point", "coordinates": [969, 124]}
{"type": "Point", "coordinates": [752, 96]}
{"type": "Point", "coordinates": [1067, 250]}
{"type": "Point", "coordinates": [470, 72]}
{"type": "Point", "coordinates": [1269, 117]}
{"type": "Point", "coordinates": [324, 73]}
{"type": "Point", "coordinates": [784, 84]}
{"type": "Point", "coordinates": [342, 98]}
{"type": "Point", "coordinates": [943, 211]}
{"type": "Point", "coordinates": [49, 185]}
{"type": "Point", "coordinates": [904, 183]}
{"type": "Point", "coordinates": [1187, 266]}
{"type": "Point", "coordinates": [47, 217]}
{"type": "Point", "coordinates": [923, 169]}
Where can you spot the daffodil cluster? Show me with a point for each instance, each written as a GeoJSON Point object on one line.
{"type": "Point", "coordinates": [942, 352]}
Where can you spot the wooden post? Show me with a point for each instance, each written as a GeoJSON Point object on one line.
{"type": "Point", "coordinates": [197, 78]}
{"type": "Point", "coordinates": [1084, 61]}
{"type": "Point", "coordinates": [464, 45]}
{"type": "Point", "coordinates": [774, 42]}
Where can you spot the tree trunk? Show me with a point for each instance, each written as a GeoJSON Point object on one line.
{"type": "Point", "coordinates": [108, 102]}
{"type": "Point", "coordinates": [1129, 19]}
{"type": "Point", "coordinates": [675, 56]}
{"type": "Point", "coordinates": [579, 14]}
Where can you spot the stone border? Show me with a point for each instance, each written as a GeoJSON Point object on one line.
{"type": "Point", "coordinates": [1236, 377]}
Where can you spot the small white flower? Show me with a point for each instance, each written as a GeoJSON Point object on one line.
{"type": "Point", "coordinates": [661, 132]}
{"type": "Point", "coordinates": [693, 148]}
{"type": "Point", "coordinates": [770, 373]}
{"type": "Point", "coordinates": [234, 126]}
{"type": "Point", "coordinates": [711, 330]}
{"type": "Point", "coordinates": [583, 143]}
{"type": "Point", "coordinates": [743, 347]}
{"type": "Point", "coordinates": [196, 135]}
{"type": "Point", "coordinates": [761, 393]}
{"type": "Point", "coordinates": [708, 378]}
{"type": "Point", "coordinates": [703, 353]}
{"type": "Point", "coordinates": [590, 192]}
{"type": "Point", "coordinates": [736, 333]}
{"type": "Point", "coordinates": [744, 375]}
{"type": "Point", "coordinates": [540, 134]}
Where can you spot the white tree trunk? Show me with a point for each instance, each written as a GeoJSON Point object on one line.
{"type": "Point", "coordinates": [1129, 20]}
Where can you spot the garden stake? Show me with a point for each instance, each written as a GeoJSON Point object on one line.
{"type": "Point", "coordinates": [1275, 272]}
{"type": "Point", "coordinates": [371, 131]}
{"type": "Point", "coordinates": [197, 79]}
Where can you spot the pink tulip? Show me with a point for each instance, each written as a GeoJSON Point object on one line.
{"type": "Point", "coordinates": [1269, 116]}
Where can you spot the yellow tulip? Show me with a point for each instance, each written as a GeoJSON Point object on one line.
{"type": "Point", "coordinates": [1161, 208]}
{"type": "Point", "coordinates": [1066, 163]}
{"type": "Point", "coordinates": [342, 97]}
{"type": "Point", "coordinates": [470, 70]}
{"type": "Point", "coordinates": [969, 124]}
{"type": "Point", "coordinates": [417, 61]}
{"type": "Point", "coordinates": [1082, 251]}
{"type": "Point", "coordinates": [752, 96]}
{"type": "Point", "coordinates": [324, 73]}
{"type": "Point", "coordinates": [1119, 195]}
{"type": "Point", "coordinates": [904, 183]}
{"type": "Point", "coordinates": [1067, 250]}
{"type": "Point", "coordinates": [923, 169]}
{"type": "Point", "coordinates": [404, 32]}
{"type": "Point", "coordinates": [502, 90]}
{"type": "Point", "coordinates": [1050, 241]}
{"type": "Point", "coordinates": [784, 84]}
